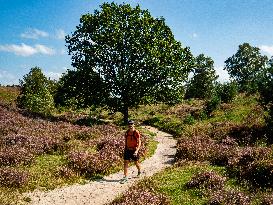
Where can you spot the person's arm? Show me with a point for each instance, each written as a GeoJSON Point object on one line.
{"type": "Point", "coordinates": [125, 140]}
{"type": "Point", "coordinates": [138, 144]}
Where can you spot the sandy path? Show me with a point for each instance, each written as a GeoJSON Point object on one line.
{"type": "Point", "coordinates": [105, 190]}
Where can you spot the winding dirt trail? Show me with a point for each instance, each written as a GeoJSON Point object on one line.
{"type": "Point", "coordinates": [105, 190]}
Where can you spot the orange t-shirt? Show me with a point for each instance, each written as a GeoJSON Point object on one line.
{"type": "Point", "coordinates": [132, 139]}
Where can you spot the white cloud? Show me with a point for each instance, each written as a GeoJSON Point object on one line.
{"type": "Point", "coordinates": [60, 34]}
{"type": "Point", "coordinates": [44, 50]}
{"type": "Point", "coordinates": [7, 78]}
{"type": "Point", "coordinates": [194, 35]}
{"type": "Point", "coordinates": [26, 50]}
{"type": "Point", "coordinates": [267, 49]}
{"type": "Point", "coordinates": [223, 74]}
{"type": "Point", "coordinates": [34, 34]}
{"type": "Point", "coordinates": [53, 75]}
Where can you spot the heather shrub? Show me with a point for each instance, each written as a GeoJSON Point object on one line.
{"type": "Point", "coordinates": [109, 154]}
{"type": "Point", "coordinates": [247, 135]}
{"type": "Point", "coordinates": [221, 154]}
{"type": "Point", "coordinates": [207, 180]}
{"type": "Point", "coordinates": [221, 130]}
{"type": "Point", "coordinates": [10, 177]}
{"type": "Point", "coordinates": [244, 156]}
{"type": "Point", "coordinates": [90, 164]}
{"type": "Point", "coordinates": [259, 174]}
{"type": "Point", "coordinates": [267, 199]}
{"type": "Point", "coordinates": [15, 156]}
{"type": "Point", "coordinates": [229, 141]}
{"type": "Point", "coordinates": [84, 135]}
{"type": "Point", "coordinates": [142, 193]}
{"type": "Point", "coordinates": [66, 172]}
{"type": "Point", "coordinates": [229, 197]}
{"type": "Point", "coordinates": [203, 148]}
{"type": "Point", "coordinates": [182, 110]}
{"type": "Point", "coordinates": [195, 148]}
{"type": "Point", "coordinates": [254, 165]}
{"type": "Point", "coordinates": [35, 145]}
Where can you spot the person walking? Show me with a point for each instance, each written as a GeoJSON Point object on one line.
{"type": "Point", "coordinates": [131, 151]}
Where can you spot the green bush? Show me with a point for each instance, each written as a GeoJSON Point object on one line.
{"type": "Point", "coordinates": [189, 120]}
{"type": "Point", "coordinates": [212, 104]}
{"type": "Point", "coordinates": [227, 91]}
{"type": "Point", "coordinates": [35, 95]}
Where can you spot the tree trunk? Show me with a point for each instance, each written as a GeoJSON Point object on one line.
{"type": "Point", "coordinates": [125, 115]}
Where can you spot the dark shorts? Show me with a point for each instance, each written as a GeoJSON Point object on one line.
{"type": "Point", "coordinates": [129, 155]}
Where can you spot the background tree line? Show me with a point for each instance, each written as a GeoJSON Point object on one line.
{"type": "Point", "coordinates": [124, 57]}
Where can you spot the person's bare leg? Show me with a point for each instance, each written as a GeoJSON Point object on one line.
{"type": "Point", "coordinates": [126, 164]}
{"type": "Point", "coordinates": [138, 166]}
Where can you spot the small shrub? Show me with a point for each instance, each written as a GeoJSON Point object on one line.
{"type": "Point", "coordinates": [227, 91]}
{"type": "Point", "coordinates": [66, 172]}
{"type": "Point", "coordinates": [267, 200]}
{"type": "Point", "coordinates": [230, 197]}
{"type": "Point", "coordinates": [253, 165]}
{"type": "Point", "coordinates": [91, 164]}
{"type": "Point", "coordinates": [10, 177]}
{"type": "Point", "coordinates": [15, 156]}
{"type": "Point", "coordinates": [207, 180]}
{"type": "Point", "coordinates": [203, 148]}
{"type": "Point", "coordinates": [142, 193]}
{"type": "Point", "coordinates": [247, 135]}
{"type": "Point", "coordinates": [212, 104]}
{"type": "Point", "coordinates": [189, 120]}
{"type": "Point", "coordinates": [195, 148]}
{"type": "Point", "coordinates": [260, 174]}
{"type": "Point", "coordinates": [246, 155]}
{"type": "Point", "coordinates": [200, 115]}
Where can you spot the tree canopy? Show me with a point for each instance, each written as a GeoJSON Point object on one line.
{"type": "Point", "coordinates": [134, 55]}
{"type": "Point", "coordinates": [204, 76]}
{"type": "Point", "coordinates": [246, 66]}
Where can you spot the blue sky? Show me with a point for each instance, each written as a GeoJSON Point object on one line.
{"type": "Point", "coordinates": [32, 31]}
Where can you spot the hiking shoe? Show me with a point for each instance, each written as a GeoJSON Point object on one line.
{"type": "Point", "coordinates": [124, 180]}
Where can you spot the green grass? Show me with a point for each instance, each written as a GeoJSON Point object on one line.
{"type": "Point", "coordinates": [44, 173]}
{"type": "Point", "coordinates": [8, 95]}
{"type": "Point", "coordinates": [171, 182]}
{"type": "Point", "coordinates": [9, 196]}
{"type": "Point", "coordinates": [170, 119]}
{"type": "Point", "coordinates": [43, 176]}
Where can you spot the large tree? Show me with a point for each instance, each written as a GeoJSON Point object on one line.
{"type": "Point", "coordinates": [202, 83]}
{"type": "Point", "coordinates": [266, 95]}
{"type": "Point", "coordinates": [134, 54]}
{"type": "Point", "coordinates": [246, 66]}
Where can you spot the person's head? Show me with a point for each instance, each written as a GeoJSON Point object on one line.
{"type": "Point", "coordinates": [131, 124]}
